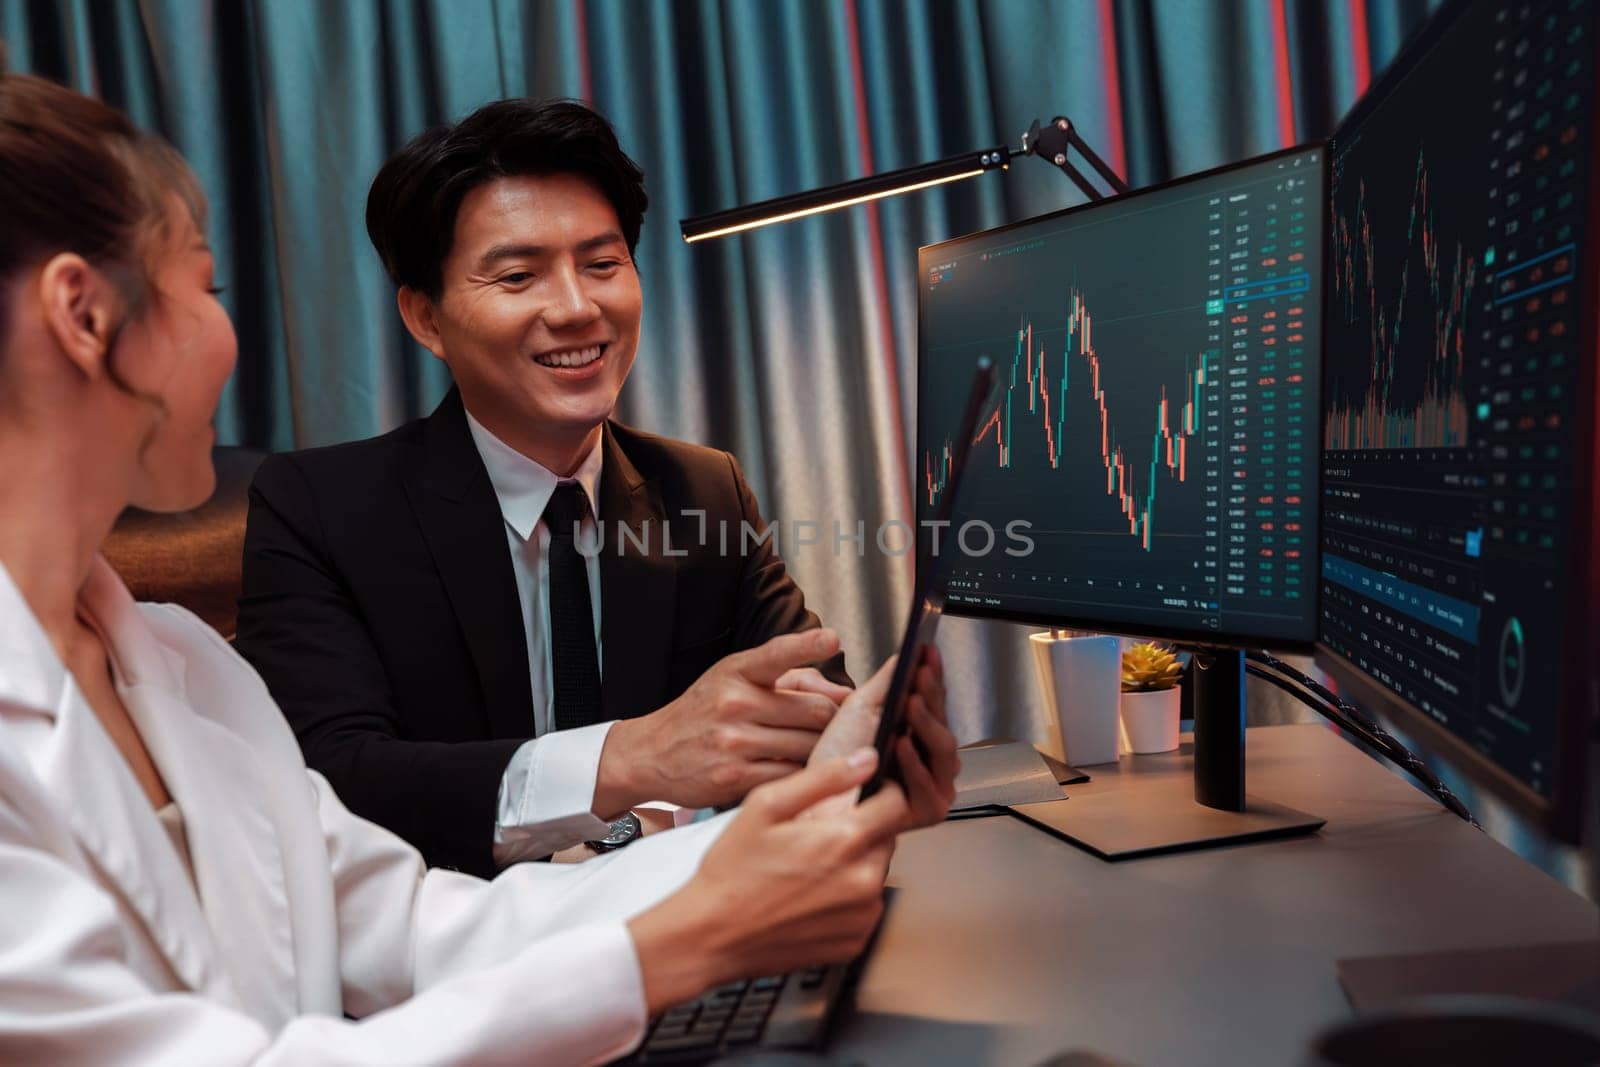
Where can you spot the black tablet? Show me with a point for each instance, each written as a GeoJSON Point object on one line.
{"type": "Point", "coordinates": [927, 597]}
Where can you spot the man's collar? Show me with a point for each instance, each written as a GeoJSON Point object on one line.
{"type": "Point", "coordinates": [524, 486]}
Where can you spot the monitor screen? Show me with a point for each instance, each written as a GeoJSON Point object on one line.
{"type": "Point", "coordinates": [1456, 425]}
{"type": "Point", "coordinates": [1148, 465]}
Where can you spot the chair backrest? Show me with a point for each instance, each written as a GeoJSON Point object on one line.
{"type": "Point", "coordinates": [191, 558]}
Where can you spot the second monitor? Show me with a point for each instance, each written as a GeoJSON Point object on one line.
{"type": "Point", "coordinates": [1150, 464]}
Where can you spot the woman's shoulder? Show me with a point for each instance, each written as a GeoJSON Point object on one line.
{"type": "Point", "coordinates": [217, 682]}
{"type": "Point", "coordinates": [187, 640]}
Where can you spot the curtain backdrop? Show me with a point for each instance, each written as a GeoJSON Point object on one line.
{"type": "Point", "coordinates": [794, 347]}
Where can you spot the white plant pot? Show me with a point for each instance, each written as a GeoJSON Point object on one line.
{"type": "Point", "coordinates": [1150, 720]}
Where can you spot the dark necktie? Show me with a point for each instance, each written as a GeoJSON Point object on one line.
{"type": "Point", "coordinates": [575, 666]}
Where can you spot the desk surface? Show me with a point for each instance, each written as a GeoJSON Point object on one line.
{"type": "Point", "coordinates": [1005, 945]}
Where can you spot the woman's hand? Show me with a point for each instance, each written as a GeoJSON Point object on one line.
{"type": "Point", "coordinates": [925, 757]}
{"type": "Point", "coordinates": [930, 782]}
{"type": "Point", "coordinates": [778, 891]}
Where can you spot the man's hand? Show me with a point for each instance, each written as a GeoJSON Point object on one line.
{"type": "Point", "coordinates": [752, 718]}
{"type": "Point", "coordinates": [811, 680]}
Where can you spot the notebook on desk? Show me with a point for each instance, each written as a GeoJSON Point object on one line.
{"type": "Point", "coordinates": [995, 776]}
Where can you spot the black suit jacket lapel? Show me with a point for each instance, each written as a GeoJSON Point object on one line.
{"type": "Point", "coordinates": [637, 590]}
{"type": "Point", "coordinates": [461, 521]}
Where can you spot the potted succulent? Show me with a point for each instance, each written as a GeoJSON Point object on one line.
{"type": "Point", "coordinates": [1150, 699]}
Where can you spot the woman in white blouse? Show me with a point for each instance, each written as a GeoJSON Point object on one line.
{"type": "Point", "coordinates": [178, 888]}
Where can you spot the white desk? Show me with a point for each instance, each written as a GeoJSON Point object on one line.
{"type": "Point", "coordinates": [1004, 945]}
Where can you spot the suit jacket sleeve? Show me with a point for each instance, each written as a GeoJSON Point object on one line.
{"type": "Point", "coordinates": [301, 630]}
{"type": "Point", "coordinates": [769, 601]}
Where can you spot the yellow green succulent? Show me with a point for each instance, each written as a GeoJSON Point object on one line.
{"type": "Point", "coordinates": [1149, 667]}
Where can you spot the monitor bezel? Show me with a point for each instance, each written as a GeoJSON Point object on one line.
{"type": "Point", "coordinates": [1190, 636]}
{"type": "Point", "coordinates": [1559, 814]}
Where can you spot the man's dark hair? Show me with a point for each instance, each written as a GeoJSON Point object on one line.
{"type": "Point", "coordinates": [412, 206]}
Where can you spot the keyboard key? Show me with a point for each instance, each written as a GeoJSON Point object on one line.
{"type": "Point", "coordinates": [682, 1043]}
{"type": "Point", "coordinates": [813, 978]}
{"type": "Point", "coordinates": [743, 1035]}
{"type": "Point", "coordinates": [771, 982]}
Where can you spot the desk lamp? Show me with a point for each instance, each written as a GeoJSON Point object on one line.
{"type": "Point", "coordinates": [1049, 142]}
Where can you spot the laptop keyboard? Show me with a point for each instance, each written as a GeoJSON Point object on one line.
{"type": "Point", "coordinates": [728, 1017]}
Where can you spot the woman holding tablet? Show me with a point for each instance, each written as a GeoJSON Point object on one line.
{"type": "Point", "coordinates": [179, 888]}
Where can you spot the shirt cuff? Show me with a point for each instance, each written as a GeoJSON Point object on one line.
{"type": "Point", "coordinates": [681, 816]}
{"type": "Point", "coordinates": [547, 795]}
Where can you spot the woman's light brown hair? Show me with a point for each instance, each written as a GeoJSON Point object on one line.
{"type": "Point", "coordinates": [77, 176]}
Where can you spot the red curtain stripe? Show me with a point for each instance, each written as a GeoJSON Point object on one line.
{"type": "Point", "coordinates": [1113, 81]}
{"type": "Point", "coordinates": [880, 276]}
{"type": "Point", "coordinates": [1360, 46]}
{"type": "Point", "coordinates": [1280, 57]}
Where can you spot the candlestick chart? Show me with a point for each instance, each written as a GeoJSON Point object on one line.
{"type": "Point", "coordinates": [1153, 429]}
{"type": "Point", "coordinates": [1403, 298]}
{"type": "Point", "coordinates": [1041, 383]}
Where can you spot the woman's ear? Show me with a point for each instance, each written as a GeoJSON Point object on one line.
{"type": "Point", "coordinates": [80, 309]}
{"type": "Point", "coordinates": [418, 312]}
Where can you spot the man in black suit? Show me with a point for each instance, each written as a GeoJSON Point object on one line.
{"type": "Point", "coordinates": [429, 608]}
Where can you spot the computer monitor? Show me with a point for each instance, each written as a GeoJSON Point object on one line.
{"type": "Point", "coordinates": [1459, 580]}
{"type": "Point", "coordinates": [1150, 464]}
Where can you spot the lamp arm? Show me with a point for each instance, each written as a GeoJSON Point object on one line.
{"type": "Point", "coordinates": [1048, 141]}
{"type": "Point", "coordinates": [1052, 141]}
{"type": "Point", "coordinates": [1077, 177]}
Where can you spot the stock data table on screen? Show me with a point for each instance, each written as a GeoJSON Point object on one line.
{"type": "Point", "coordinates": [1149, 458]}
{"type": "Point", "coordinates": [1454, 359]}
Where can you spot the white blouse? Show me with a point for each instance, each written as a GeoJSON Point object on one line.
{"type": "Point", "coordinates": [246, 923]}
{"type": "Point", "coordinates": [171, 820]}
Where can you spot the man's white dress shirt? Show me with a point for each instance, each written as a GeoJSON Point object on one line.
{"type": "Point", "coordinates": [547, 791]}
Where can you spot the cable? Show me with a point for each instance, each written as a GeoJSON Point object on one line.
{"type": "Point", "coordinates": [1326, 711]}
{"type": "Point", "coordinates": [1351, 718]}
{"type": "Point", "coordinates": [1379, 740]}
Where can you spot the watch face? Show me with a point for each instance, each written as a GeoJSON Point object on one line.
{"type": "Point", "coordinates": [623, 830]}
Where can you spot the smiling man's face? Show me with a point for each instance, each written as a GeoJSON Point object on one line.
{"type": "Point", "coordinates": [538, 314]}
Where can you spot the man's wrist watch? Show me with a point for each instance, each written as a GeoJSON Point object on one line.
{"type": "Point", "coordinates": [623, 832]}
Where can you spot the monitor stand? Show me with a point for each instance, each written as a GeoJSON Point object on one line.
{"type": "Point", "coordinates": [1142, 822]}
